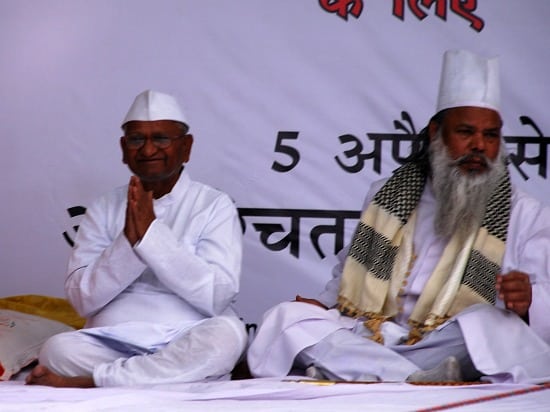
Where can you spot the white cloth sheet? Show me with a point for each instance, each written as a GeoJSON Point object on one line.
{"type": "Point", "coordinates": [270, 395]}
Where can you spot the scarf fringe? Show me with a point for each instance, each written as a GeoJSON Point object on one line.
{"type": "Point", "coordinates": [374, 324]}
{"type": "Point", "coordinates": [374, 320]}
{"type": "Point", "coordinates": [418, 330]}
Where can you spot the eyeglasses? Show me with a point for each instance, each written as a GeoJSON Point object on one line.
{"type": "Point", "coordinates": [137, 141]}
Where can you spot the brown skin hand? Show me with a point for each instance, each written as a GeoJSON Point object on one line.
{"type": "Point", "coordinates": [514, 288]}
{"type": "Point", "coordinates": [310, 301]}
{"type": "Point", "coordinates": [139, 211]}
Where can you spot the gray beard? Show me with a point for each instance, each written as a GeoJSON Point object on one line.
{"type": "Point", "coordinates": [461, 198]}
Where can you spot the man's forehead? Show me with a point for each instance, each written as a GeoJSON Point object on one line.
{"type": "Point", "coordinates": [152, 125]}
{"type": "Point", "coordinates": [475, 116]}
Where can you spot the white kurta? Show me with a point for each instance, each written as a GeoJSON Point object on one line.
{"type": "Point", "coordinates": [289, 328]}
{"type": "Point", "coordinates": [184, 271]}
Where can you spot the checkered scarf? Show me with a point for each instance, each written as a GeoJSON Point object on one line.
{"type": "Point", "coordinates": [381, 257]}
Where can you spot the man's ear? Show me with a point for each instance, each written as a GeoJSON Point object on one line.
{"type": "Point", "coordinates": [123, 147]}
{"type": "Point", "coordinates": [187, 144]}
{"type": "Point", "coordinates": [433, 127]}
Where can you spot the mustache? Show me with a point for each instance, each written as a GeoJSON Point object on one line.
{"type": "Point", "coordinates": [471, 158]}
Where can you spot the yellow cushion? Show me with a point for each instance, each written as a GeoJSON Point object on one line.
{"type": "Point", "coordinates": [46, 306]}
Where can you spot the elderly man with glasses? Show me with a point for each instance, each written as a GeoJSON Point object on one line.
{"type": "Point", "coordinates": [155, 269]}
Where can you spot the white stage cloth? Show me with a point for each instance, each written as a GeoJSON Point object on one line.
{"type": "Point", "coordinates": [274, 395]}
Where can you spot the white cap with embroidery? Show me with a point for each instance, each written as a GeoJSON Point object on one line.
{"type": "Point", "coordinates": [468, 80]}
{"type": "Point", "coordinates": [151, 105]}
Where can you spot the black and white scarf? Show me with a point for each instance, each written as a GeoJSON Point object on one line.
{"type": "Point", "coordinates": [381, 256]}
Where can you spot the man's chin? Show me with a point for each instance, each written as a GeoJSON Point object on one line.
{"type": "Point", "coordinates": [474, 170]}
{"type": "Point", "coordinates": [152, 177]}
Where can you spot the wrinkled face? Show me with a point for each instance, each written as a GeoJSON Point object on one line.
{"type": "Point", "coordinates": [165, 147]}
{"type": "Point", "coordinates": [471, 135]}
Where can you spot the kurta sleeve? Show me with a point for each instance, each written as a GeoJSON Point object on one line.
{"type": "Point", "coordinates": [528, 250]}
{"type": "Point", "coordinates": [205, 270]}
{"type": "Point", "coordinates": [103, 263]}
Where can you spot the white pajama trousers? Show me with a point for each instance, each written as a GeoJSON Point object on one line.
{"type": "Point", "coordinates": [207, 351]}
{"type": "Point", "coordinates": [483, 338]}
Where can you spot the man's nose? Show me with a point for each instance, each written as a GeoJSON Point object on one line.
{"type": "Point", "coordinates": [477, 143]}
{"type": "Point", "coordinates": [148, 147]}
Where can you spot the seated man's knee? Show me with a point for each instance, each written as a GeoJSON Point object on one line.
{"type": "Point", "coordinates": [220, 343]}
{"type": "Point", "coordinates": [229, 330]}
{"type": "Point", "coordinates": [56, 350]}
{"type": "Point", "coordinates": [75, 354]}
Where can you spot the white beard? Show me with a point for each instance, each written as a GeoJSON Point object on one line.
{"type": "Point", "coordinates": [461, 198]}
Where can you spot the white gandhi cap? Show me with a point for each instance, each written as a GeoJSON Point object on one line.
{"type": "Point", "coordinates": [468, 80]}
{"type": "Point", "coordinates": [151, 105]}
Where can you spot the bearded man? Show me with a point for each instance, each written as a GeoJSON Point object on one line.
{"type": "Point", "coordinates": [436, 283]}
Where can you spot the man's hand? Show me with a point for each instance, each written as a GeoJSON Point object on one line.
{"type": "Point", "coordinates": [139, 211]}
{"type": "Point", "coordinates": [310, 301]}
{"type": "Point", "coordinates": [514, 288]}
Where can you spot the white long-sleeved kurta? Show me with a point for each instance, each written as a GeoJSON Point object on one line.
{"type": "Point", "coordinates": [169, 297]}
{"type": "Point", "coordinates": [186, 267]}
{"type": "Point", "coordinates": [527, 250]}
{"type": "Point", "coordinates": [519, 353]}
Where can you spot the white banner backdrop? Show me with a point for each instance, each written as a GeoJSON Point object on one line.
{"type": "Point", "coordinates": [296, 107]}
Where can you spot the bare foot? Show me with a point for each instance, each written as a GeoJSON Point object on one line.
{"type": "Point", "coordinates": [41, 375]}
